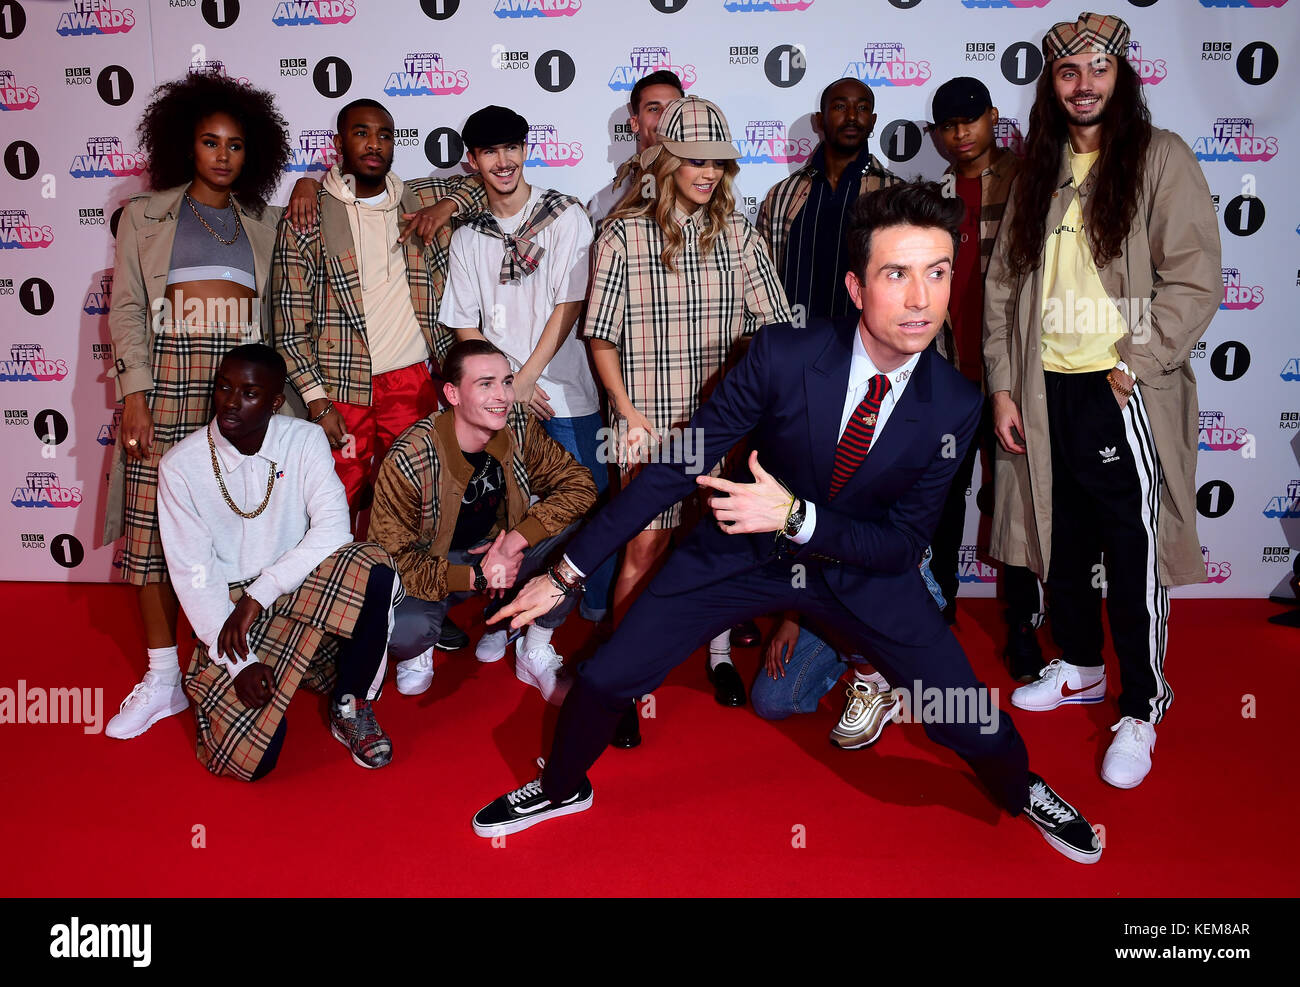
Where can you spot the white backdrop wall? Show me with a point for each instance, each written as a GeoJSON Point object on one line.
{"type": "Point", "coordinates": [75, 76]}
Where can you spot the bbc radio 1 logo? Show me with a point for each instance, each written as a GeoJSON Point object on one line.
{"type": "Point", "coordinates": [767, 142]}
{"type": "Point", "coordinates": [971, 569]}
{"type": "Point", "coordinates": [536, 8]}
{"type": "Point", "coordinates": [426, 74]}
{"type": "Point", "coordinates": [885, 63]}
{"type": "Point", "coordinates": [99, 298]}
{"type": "Point", "coordinates": [1233, 139]}
{"type": "Point", "coordinates": [1289, 420]}
{"type": "Point", "coordinates": [1215, 572]}
{"type": "Point", "coordinates": [14, 95]}
{"type": "Point", "coordinates": [759, 6]}
{"type": "Point", "coordinates": [106, 158]}
{"type": "Point", "coordinates": [981, 51]}
{"type": "Point", "coordinates": [95, 17]}
{"type": "Point", "coordinates": [314, 152]}
{"type": "Point", "coordinates": [644, 59]}
{"type": "Point", "coordinates": [1215, 435]}
{"type": "Point", "coordinates": [17, 231]}
{"type": "Point", "coordinates": [313, 12]}
{"type": "Point", "coordinates": [546, 150]}
{"type": "Point", "coordinates": [43, 488]}
{"type": "Point", "coordinates": [27, 361]}
{"type": "Point", "coordinates": [1238, 296]}
{"type": "Point", "coordinates": [1287, 505]}
{"type": "Point", "coordinates": [1152, 71]}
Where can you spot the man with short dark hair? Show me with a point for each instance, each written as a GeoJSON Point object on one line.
{"type": "Point", "coordinates": [452, 505]}
{"type": "Point", "coordinates": [1105, 275]}
{"type": "Point", "coordinates": [255, 529]}
{"type": "Point", "coordinates": [850, 421]}
{"type": "Point", "coordinates": [650, 94]}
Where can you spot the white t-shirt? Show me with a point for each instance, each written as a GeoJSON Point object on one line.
{"type": "Point", "coordinates": [513, 315]}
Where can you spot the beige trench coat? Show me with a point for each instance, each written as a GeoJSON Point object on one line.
{"type": "Point", "coordinates": [1171, 257]}
{"type": "Point", "coordinates": [143, 257]}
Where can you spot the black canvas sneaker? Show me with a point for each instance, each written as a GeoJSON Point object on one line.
{"type": "Point", "coordinates": [1060, 823]}
{"type": "Point", "coordinates": [527, 806]}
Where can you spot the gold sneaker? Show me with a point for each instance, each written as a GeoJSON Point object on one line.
{"type": "Point", "coordinates": [865, 715]}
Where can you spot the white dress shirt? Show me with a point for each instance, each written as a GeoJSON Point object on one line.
{"type": "Point", "coordinates": [208, 546]}
{"type": "Point", "coordinates": [861, 370]}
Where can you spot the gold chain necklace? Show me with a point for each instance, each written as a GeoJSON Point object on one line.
{"type": "Point", "coordinates": [199, 216]}
{"type": "Point", "coordinates": [216, 471]}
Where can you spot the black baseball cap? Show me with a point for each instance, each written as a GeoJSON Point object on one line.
{"type": "Point", "coordinates": [494, 125]}
{"type": "Point", "coordinates": [962, 98]}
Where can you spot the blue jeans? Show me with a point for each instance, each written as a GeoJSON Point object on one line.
{"type": "Point", "coordinates": [813, 669]}
{"type": "Point", "coordinates": [580, 437]}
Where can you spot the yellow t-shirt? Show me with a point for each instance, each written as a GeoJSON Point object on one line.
{"type": "Point", "coordinates": [1080, 323]}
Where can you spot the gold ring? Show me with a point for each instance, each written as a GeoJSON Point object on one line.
{"type": "Point", "coordinates": [132, 442]}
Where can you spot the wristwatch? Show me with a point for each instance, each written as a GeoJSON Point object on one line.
{"type": "Point", "coordinates": [795, 521]}
{"type": "Point", "coordinates": [480, 580]}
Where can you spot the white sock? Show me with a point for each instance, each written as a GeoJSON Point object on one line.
{"type": "Point", "coordinates": [720, 650]}
{"type": "Point", "coordinates": [536, 637]}
{"type": "Point", "coordinates": [164, 664]}
{"type": "Point", "coordinates": [874, 678]}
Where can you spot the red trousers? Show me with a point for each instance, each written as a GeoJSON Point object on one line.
{"type": "Point", "coordinates": [398, 399]}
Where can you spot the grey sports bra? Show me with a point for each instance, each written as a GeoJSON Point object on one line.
{"type": "Point", "coordinates": [199, 256]}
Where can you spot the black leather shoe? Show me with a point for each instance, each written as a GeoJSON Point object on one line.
{"type": "Point", "coordinates": [1023, 655]}
{"type": "Point", "coordinates": [745, 635]}
{"type": "Point", "coordinates": [452, 637]}
{"type": "Point", "coordinates": [628, 732]}
{"type": "Point", "coordinates": [728, 689]}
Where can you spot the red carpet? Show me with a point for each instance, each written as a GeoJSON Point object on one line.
{"type": "Point", "coordinates": [713, 802]}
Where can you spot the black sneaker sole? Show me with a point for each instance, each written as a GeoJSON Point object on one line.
{"type": "Point", "coordinates": [488, 830]}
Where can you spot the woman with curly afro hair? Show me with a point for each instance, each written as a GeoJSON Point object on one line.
{"type": "Point", "coordinates": [192, 266]}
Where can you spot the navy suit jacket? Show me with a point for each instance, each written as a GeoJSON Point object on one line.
{"type": "Point", "coordinates": [787, 395]}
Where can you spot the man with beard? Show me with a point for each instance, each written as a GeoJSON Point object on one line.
{"type": "Point", "coordinates": [1105, 274]}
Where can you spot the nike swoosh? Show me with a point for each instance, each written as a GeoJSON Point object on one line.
{"type": "Point", "coordinates": [1067, 691]}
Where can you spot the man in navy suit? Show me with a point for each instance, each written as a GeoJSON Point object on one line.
{"type": "Point", "coordinates": [857, 427]}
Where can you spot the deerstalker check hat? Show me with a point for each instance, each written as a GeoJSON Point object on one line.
{"type": "Point", "coordinates": [692, 127]}
{"type": "Point", "coordinates": [1105, 34]}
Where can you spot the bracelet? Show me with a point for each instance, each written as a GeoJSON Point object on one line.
{"type": "Point", "coordinates": [1125, 389]}
{"type": "Point", "coordinates": [329, 406]}
{"type": "Point", "coordinates": [564, 588]}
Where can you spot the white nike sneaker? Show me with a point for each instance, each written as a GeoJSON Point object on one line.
{"type": "Point", "coordinates": [1128, 759]}
{"type": "Point", "coordinates": [492, 645]}
{"type": "Point", "coordinates": [150, 701]}
{"type": "Point", "coordinates": [1058, 684]}
{"type": "Point", "coordinates": [539, 667]}
{"type": "Point", "coordinates": [415, 675]}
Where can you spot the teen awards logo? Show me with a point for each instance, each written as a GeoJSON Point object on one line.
{"type": "Point", "coordinates": [299, 14]}
{"type": "Point", "coordinates": [1291, 369]}
{"type": "Point", "coordinates": [44, 489]}
{"type": "Point", "coordinates": [1215, 572]}
{"type": "Point", "coordinates": [536, 8]}
{"type": "Point", "coordinates": [105, 158]}
{"type": "Point", "coordinates": [1150, 71]}
{"type": "Point", "coordinates": [1238, 296]}
{"type": "Point", "coordinates": [1286, 506]}
{"type": "Point", "coordinates": [1018, 4]}
{"type": "Point", "coordinates": [546, 150]}
{"type": "Point", "coordinates": [17, 97]}
{"type": "Point", "coordinates": [885, 63]}
{"type": "Point", "coordinates": [27, 361]}
{"type": "Point", "coordinates": [108, 431]}
{"type": "Point", "coordinates": [426, 74]}
{"type": "Point", "coordinates": [95, 17]}
{"type": "Point", "coordinates": [1214, 435]}
{"type": "Point", "coordinates": [1257, 4]}
{"type": "Point", "coordinates": [1006, 133]}
{"type": "Point", "coordinates": [314, 152]}
{"type": "Point", "coordinates": [751, 6]}
{"type": "Point", "coordinates": [1233, 139]}
{"type": "Point", "coordinates": [17, 231]}
{"type": "Point", "coordinates": [766, 142]}
{"type": "Point", "coordinates": [99, 298]}
{"type": "Point", "coordinates": [971, 570]}
{"type": "Point", "coordinates": [643, 60]}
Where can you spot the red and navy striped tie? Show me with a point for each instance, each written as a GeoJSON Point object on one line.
{"type": "Point", "coordinates": [856, 440]}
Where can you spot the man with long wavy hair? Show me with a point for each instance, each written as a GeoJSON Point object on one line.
{"type": "Point", "coordinates": [1105, 274]}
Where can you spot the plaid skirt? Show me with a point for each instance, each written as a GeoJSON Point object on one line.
{"type": "Point", "coordinates": [298, 638]}
{"type": "Point", "coordinates": [185, 362]}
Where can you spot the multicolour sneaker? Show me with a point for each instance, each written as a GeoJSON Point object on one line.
{"type": "Point", "coordinates": [354, 725]}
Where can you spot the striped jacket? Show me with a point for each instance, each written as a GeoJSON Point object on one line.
{"type": "Point", "coordinates": [784, 200]}
{"type": "Point", "coordinates": [995, 186]}
{"type": "Point", "coordinates": [422, 480]}
{"type": "Point", "coordinates": [320, 326]}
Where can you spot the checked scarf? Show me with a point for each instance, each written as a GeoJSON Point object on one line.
{"type": "Point", "coordinates": [522, 253]}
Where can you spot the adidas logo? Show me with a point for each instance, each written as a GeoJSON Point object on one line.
{"type": "Point", "coordinates": [1108, 455]}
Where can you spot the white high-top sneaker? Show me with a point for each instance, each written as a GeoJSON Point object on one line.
{"type": "Point", "coordinates": [150, 701]}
